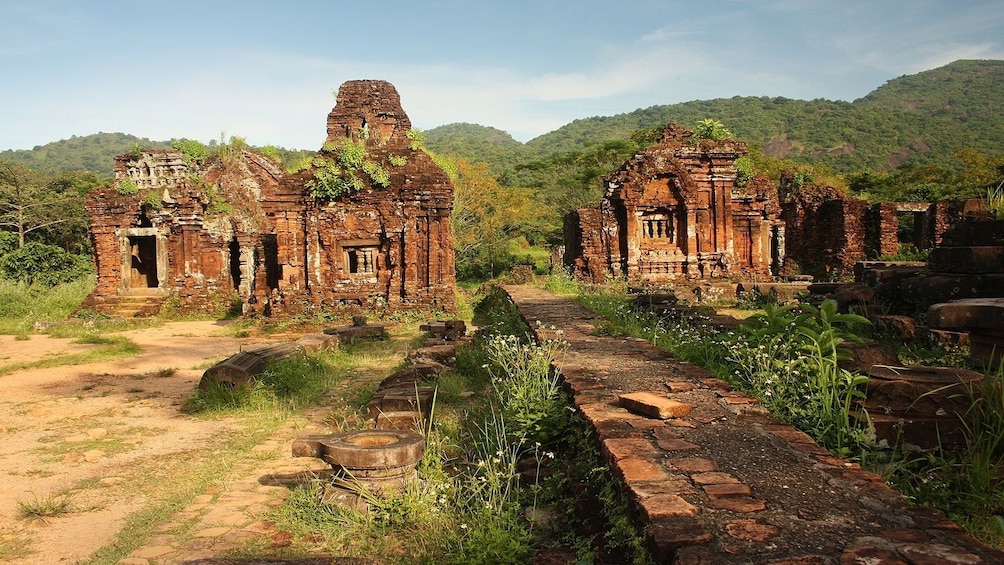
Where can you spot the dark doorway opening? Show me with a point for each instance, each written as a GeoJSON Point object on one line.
{"type": "Point", "coordinates": [235, 263]}
{"type": "Point", "coordinates": [273, 271]}
{"type": "Point", "coordinates": [143, 258]}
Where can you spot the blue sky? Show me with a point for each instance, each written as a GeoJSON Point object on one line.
{"type": "Point", "coordinates": [267, 71]}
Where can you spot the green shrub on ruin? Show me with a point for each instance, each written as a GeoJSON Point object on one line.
{"type": "Point", "coordinates": [127, 187]}
{"type": "Point", "coordinates": [339, 175]}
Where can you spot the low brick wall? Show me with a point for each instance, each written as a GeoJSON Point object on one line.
{"type": "Point", "coordinates": [728, 483]}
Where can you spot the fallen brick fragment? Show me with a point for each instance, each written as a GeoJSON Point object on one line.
{"type": "Point", "coordinates": [713, 478]}
{"type": "Point", "coordinates": [716, 384]}
{"type": "Point", "coordinates": [618, 449]}
{"type": "Point", "coordinates": [654, 406]}
{"type": "Point", "coordinates": [750, 530]}
{"type": "Point", "coordinates": [680, 386]}
{"type": "Point", "coordinates": [741, 504]}
{"type": "Point", "coordinates": [722, 491]}
{"type": "Point", "coordinates": [937, 554]}
{"type": "Point", "coordinates": [692, 464]}
{"type": "Point", "coordinates": [636, 469]}
{"type": "Point", "coordinates": [668, 535]}
{"type": "Point", "coordinates": [646, 424]}
{"type": "Point", "coordinates": [666, 505]}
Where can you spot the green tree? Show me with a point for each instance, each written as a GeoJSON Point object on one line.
{"type": "Point", "coordinates": [30, 202]}
{"type": "Point", "coordinates": [486, 216]}
{"type": "Point", "coordinates": [38, 263]}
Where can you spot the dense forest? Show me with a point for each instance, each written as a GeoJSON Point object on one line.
{"type": "Point", "coordinates": [934, 135]}
{"type": "Point", "coordinates": [918, 118]}
{"type": "Point", "coordinates": [938, 134]}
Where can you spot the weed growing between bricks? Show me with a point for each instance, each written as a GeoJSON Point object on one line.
{"type": "Point", "coordinates": [508, 472]}
{"type": "Point", "coordinates": [787, 358]}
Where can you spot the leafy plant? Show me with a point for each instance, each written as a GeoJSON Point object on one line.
{"type": "Point", "coordinates": [126, 187]}
{"type": "Point", "coordinates": [908, 253]}
{"type": "Point", "coordinates": [712, 129]}
{"type": "Point", "coordinates": [337, 176]}
{"type": "Point", "coordinates": [378, 174]}
{"type": "Point", "coordinates": [153, 200]}
{"type": "Point", "coordinates": [43, 264]}
{"type": "Point", "coordinates": [417, 139]}
{"type": "Point", "coordinates": [995, 200]}
{"type": "Point", "coordinates": [194, 152]}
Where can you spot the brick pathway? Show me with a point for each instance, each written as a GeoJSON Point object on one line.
{"type": "Point", "coordinates": [727, 483]}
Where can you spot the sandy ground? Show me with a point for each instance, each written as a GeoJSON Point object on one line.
{"type": "Point", "coordinates": [93, 429]}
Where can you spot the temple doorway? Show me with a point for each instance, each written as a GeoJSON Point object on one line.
{"type": "Point", "coordinates": [143, 261]}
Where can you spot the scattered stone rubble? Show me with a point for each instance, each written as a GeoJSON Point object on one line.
{"type": "Point", "coordinates": [382, 457]}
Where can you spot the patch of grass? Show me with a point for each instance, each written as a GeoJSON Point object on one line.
{"type": "Point", "coordinates": [24, 307]}
{"type": "Point", "coordinates": [43, 507]}
{"type": "Point", "coordinates": [470, 505]}
{"type": "Point", "coordinates": [15, 546]}
{"type": "Point", "coordinates": [286, 385]}
{"type": "Point", "coordinates": [112, 347]}
{"type": "Point", "coordinates": [55, 451]}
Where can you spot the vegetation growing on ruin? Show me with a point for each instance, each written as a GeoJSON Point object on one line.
{"type": "Point", "coordinates": [126, 187]}
{"type": "Point", "coordinates": [337, 170]}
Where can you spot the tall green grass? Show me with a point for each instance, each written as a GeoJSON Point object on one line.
{"type": "Point", "coordinates": [286, 385]}
{"type": "Point", "coordinates": [471, 504]}
{"type": "Point", "coordinates": [24, 307]}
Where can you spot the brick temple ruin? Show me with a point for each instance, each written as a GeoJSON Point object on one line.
{"type": "Point", "coordinates": [674, 212]}
{"type": "Point", "coordinates": [241, 227]}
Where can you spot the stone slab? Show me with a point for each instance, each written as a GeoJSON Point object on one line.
{"type": "Point", "coordinates": [967, 314]}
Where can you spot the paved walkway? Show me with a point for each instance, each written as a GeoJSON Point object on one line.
{"type": "Point", "coordinates": [728, 483]}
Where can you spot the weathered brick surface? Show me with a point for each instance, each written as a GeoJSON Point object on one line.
{"type": "Point", "coordinates": [244, 227]}
{"type": "Point", "coordinates": [673, 212]}
{"type": "Point", "coordinates": [761, 492]}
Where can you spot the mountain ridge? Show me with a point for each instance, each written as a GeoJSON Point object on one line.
{"type": "Point", "coordinates": [920, 118]}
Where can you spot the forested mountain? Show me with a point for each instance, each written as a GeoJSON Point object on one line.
{"type": "Point", "coordinates": [481, 143]}
{"type": "Point", "coordinates": [919, 118]}
{"type": "Point", "coordinates": [92, 153]}
{"type": "Point", "coordinates": [922, 118]}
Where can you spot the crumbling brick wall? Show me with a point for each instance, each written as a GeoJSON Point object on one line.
{"type": "Point", "coordinates": [244, 227]}
{"type": "Point", "coordinates": [667, 214]}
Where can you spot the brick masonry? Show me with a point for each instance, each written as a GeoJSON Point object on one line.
{"type": "Point", "coordinates": [728, 483]}
{"type": "Point", "coordinates": [246, 228]}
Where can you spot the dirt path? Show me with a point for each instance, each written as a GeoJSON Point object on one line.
{"type": "Point", "coordinates": [104, 431]}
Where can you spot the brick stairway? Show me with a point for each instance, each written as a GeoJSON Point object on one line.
{"type": "Point", "coordinates": [727, 483]}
